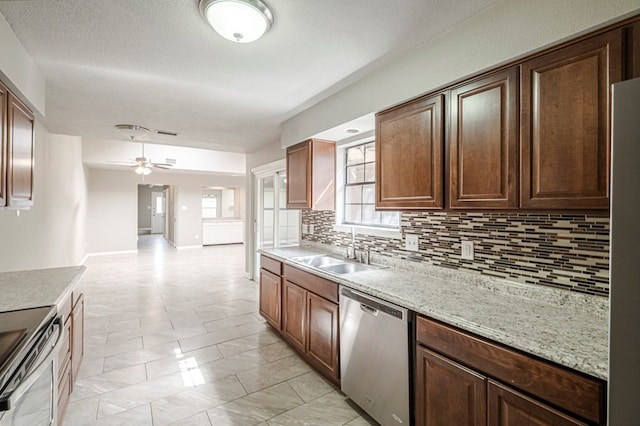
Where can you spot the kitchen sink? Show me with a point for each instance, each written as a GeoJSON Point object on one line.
{"type": "Point", "coordinates": [334, 264]}
{"type": "Point", "coordinates": [319, 261]}
{"type": "Point", "coordinates": [348, 267]}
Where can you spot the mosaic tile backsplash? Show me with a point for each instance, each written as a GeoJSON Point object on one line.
{"type": "Point", "coordinates": [563, 251]}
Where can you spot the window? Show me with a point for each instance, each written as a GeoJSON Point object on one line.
{"type": "Point", "coordinates": [209, 206]}
{"type": "Point", "coordinates": [360, 189]}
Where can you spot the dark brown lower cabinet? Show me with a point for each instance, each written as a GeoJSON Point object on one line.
{"type": "Point", "coordinates": [508, 407]}
{"type": "Point", "coordinates": [449, 393]}
{"type": "Point", "coordinates": [310, 319]}
{"type": "Point", "coordinates": [322, 341]}
{"type": "Point", "coordinates": [459, 381]}
{"type": "Point", "coordinates": [271, 298]}
{"type": "Point", "coordinates": [294, 326]}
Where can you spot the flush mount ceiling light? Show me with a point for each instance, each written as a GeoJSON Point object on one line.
{"type": "Point", "coordinates": [132, 131]}
{"type": "Point", "coordinates": [352, 130]}
{"type": "Point", "coordinates": [242, 21]}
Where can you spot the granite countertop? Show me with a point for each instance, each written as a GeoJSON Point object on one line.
{"type": "Point", "coordinates": [567, 328]}
{"type": "Point", "coordinates": [38, 287]}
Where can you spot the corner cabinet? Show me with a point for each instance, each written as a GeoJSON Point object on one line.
{"type": "Point", "coordinates": [565, 130]}
{"type": "Point", "coordinates": [311, 174]}
{"type": "Point", "coordinates": [409, 147]}
{"type": "Point", "coordinates": [483, 143]}
{"type": "Point", "coordinates": [465, 380]}
{"type": "Point", "coordinates": [16, 158]}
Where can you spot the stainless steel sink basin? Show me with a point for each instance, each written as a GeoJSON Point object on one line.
{"type": "Point", "coordinates": [320, 261]}
{"type": "Point", "coordinates": [334, 264]}
{"type": "Point", "coordinates": [348, 267]}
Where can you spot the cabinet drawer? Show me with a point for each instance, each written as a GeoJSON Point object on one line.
{"type": "Point", "coordinates": [569, 390]}
{"type": "Point", "coordinates": [320, 286]}
{"type": "Point", "coordinates": [271, 265]}
{"type": "Point", "coordinates": [65, 350]}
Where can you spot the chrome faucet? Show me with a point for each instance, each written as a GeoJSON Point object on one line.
{"type": "Point", "coordinates": [351, 251]}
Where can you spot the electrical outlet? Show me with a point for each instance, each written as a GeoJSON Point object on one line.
{"type": "Point", "coordinates": [311, 229]}
{"type": "Point", "coordinates": [305, 228]}
{"type": "Point", "coordinates": [411, 242]}
{"type": "Point", "coordinates": [467, 250]}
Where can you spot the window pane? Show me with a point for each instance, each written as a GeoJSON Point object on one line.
{"type": "Point", "coordinates": [369, 194]}
{"type": "Point", "coordinates": [370, 152]}
{"type": "Point", "coordinates": [353, 213]}
{"type": "Point", "coordinates": [390, 218]}
{"type": "Point", "coordinates": [370, 172]}
{"type": "Point", "coordinates": [267, 195]}
{"type": "Point", "coordinates": [355, 174]}
{"type": "Point", "coordinates": [282, 195]}
{"type": "Point", "coordinates": [354, 194]}
{"type": "Point", "coordinates": [355, 155]}
{"type": "Point", "coordinates": [369, 214]}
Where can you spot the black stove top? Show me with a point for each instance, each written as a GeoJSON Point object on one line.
{"type": "Point", "coordinates": [19, 330]}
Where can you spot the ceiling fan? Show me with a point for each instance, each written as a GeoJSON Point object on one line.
{"type": "Point", "coordinates": [143, 165]}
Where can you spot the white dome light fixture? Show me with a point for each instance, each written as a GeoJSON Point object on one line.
{"type": "Point", "coordinates": [242, 21]}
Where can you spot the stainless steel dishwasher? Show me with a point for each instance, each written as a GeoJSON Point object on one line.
{"type": "Point", "coordinates": [374, 356]}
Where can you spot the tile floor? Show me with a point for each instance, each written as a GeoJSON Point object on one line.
{"type": "Point", "coordinates": [173, 337]}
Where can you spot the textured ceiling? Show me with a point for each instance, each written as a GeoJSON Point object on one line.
{"type": "Point", "coordinates": [156, 63]}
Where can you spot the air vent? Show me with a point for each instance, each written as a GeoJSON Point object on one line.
{"type": "Point", "coordinates": [170, 161]}
{"type": "Point", "coordinates": [166, 133]}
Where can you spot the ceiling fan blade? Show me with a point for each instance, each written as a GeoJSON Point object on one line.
{"type": "Point", "coordinates": [162, 165]}
{"type": "Point", "coordinates": [122, 163]}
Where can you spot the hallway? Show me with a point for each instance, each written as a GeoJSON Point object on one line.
{"type": "Point", "coordinates": [174, 337]}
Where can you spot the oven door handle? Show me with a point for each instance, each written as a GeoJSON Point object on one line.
{"type": "Point", "coordinates": [35, 373]}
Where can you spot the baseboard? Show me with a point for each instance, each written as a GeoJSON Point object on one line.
{"type": "Point", "coordinates": [84, 259]}
{"type": "Point", "coordinates": [188, 247]}
{"type": "Point", "coordinates": [109, 253]}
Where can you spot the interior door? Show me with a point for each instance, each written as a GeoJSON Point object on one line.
{"type": "Point", "coordinates": [157, 212]}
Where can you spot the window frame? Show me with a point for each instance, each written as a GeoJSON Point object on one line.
{"type": "Point", "coordinates": [387, 231]}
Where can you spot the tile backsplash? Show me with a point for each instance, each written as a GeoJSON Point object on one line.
{"type": "Point", "coordinates": [558, 250]}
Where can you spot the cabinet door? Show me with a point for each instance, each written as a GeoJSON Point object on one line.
{"type": "Point", "coordinates": [294, 308]}
{"type": "Point", "coordinates": [19, 154]}
{"type": "Point", "coordinates": [3, 145]}
{"type": "Point", "coordinates": [323, 341]}
{"type": "Point", "coordinates": [270, 298]}
{"type": "Point", "coordinates": [409, 156]}
{"type": "Point", "coordinates": [447, 393]}
{"type": "Point", "coordinates": [299, 176]}
{"type": "Point", "coordinates": [483, 143]}
{"type": "Point", "coordinates": [77, 340]}
{"type": "Point", "coordinates": [565, 124]}
{"type": "Point", "coordinates": [510, 408]}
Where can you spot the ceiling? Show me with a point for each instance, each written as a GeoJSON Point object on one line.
{"type": "Point", "coordinates": [159, 65]}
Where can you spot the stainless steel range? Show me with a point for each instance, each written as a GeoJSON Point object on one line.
{"type": "Point", "coordinates": [30, 340]}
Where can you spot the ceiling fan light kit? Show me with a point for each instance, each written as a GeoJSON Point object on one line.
{"type": "Point", "coordinates": [242, 21]}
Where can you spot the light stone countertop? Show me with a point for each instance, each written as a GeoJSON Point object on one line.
{"type": "Point", "coordinates": [38, 287]}
{"type": "Point", "coordinates": [567, 328]}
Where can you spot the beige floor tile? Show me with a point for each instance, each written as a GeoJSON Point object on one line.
{"type": "Point", "coordinates": [328, 410]}
{"type": "Point", "coordinates": [275, 372]}
{"type": "Point", "coordinates": [151, 313]}
{"type": "Point", "coordinates": [257, 407]}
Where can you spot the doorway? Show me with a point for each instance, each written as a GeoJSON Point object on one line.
{"type": "Point", "coordinates": [158, 210]}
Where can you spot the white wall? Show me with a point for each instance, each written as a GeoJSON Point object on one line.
{"type": "Point", "coordinates": [52, 233]}
{"type": "Point", "coordinates": [19, 71]}
{"type": "Point", "coordinates": [112, 207]}
{"type": "Point", "coordinates": [509, 30]}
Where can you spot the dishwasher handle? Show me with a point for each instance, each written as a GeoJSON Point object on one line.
{"type": "Point", "coordinates": [370, 304]}
{"type": "Point", "coordinates": [368, 309]}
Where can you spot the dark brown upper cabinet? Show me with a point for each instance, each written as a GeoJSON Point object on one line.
{"type": "Point", "coordinates": [565, 151]}
{"type": "Point", "coordinates": [483, 143]}
{"type": "Point", "coordinates": [409, 148]}
{"type": "Point", "coordinates": [311, 174]}
{"type": "Point", "coordinates": [20, 152]}
{"type": "Point", "coordinates": [4, 94]}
